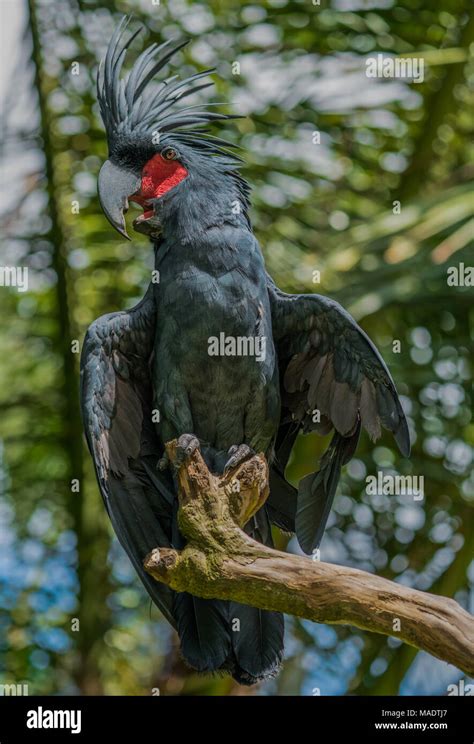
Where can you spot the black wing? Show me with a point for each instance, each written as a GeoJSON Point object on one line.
{"type": "Point", "coordinates": [332, 378]}
{"type": "Point", "coordinates": [116, 402]}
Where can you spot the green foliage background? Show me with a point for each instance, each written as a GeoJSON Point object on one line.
{"type": "Point", "coordinates": [324, 207]}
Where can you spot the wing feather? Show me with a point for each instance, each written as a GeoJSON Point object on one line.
{"type": "Point", "coordinates": [116, 408]}
{"type": "Point", "coordinates": [328, 364]}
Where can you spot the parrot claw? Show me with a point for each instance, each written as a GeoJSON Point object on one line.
{"type": "Point", "coordinates": [187, 444]}
{"type": "Point", "coordinates": [237, 454]}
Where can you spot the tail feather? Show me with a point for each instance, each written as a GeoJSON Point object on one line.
{"type": "Point", "coordinates": [203, 630]}
{"type": "Point", "coordinates": [257, 642]}
{"type": "Point", "coordinates": [257, 635]}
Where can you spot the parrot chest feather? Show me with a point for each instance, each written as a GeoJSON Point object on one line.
{"type": "Point", "coordinates": [214, 339]}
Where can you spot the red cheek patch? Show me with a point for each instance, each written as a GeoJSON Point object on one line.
{"type": "Point", "coordinates": [158, 177]}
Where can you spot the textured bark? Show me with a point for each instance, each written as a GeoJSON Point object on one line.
{"type": "Point", "coordinates": [220, 561]}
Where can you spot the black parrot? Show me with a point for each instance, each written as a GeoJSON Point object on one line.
{"type": "Point", "coordinates": [156, 358]}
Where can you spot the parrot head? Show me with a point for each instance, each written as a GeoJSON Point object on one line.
{"type": "Point", "coordinates": [161, 155]}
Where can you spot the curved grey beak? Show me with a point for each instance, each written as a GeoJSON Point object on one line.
{"type": "Point", "coordinates": [116, 184]}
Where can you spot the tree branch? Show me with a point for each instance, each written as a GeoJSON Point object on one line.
{"type": "Point", "coordinates": [220, 561]}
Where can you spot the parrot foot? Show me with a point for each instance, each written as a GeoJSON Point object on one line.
{"type": "Point", "coordinates": [187, 444]}
{"type": "Point", "coordinates": [238, 453]}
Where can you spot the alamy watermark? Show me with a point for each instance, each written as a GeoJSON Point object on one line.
{"type": "Point", "coordinates": [14, 276]}
{"type": "Point", "coordinates": [13, 690]}
{"type": "Point", "coordinates": [460, 276]}
{"type": "Point", "coordinates": [43, 718]}
{"type": "Point", "coordinates": [406, 68]}
{"type": "Point", "coordinates": [460, 688]}
{"type": "Point", "coordinates": [223, 345]}
{"type": "Point", "coordinates": [396, 485]}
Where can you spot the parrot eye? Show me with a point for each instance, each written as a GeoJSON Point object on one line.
{"type": "Point", "coordinates": [169, 153]}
